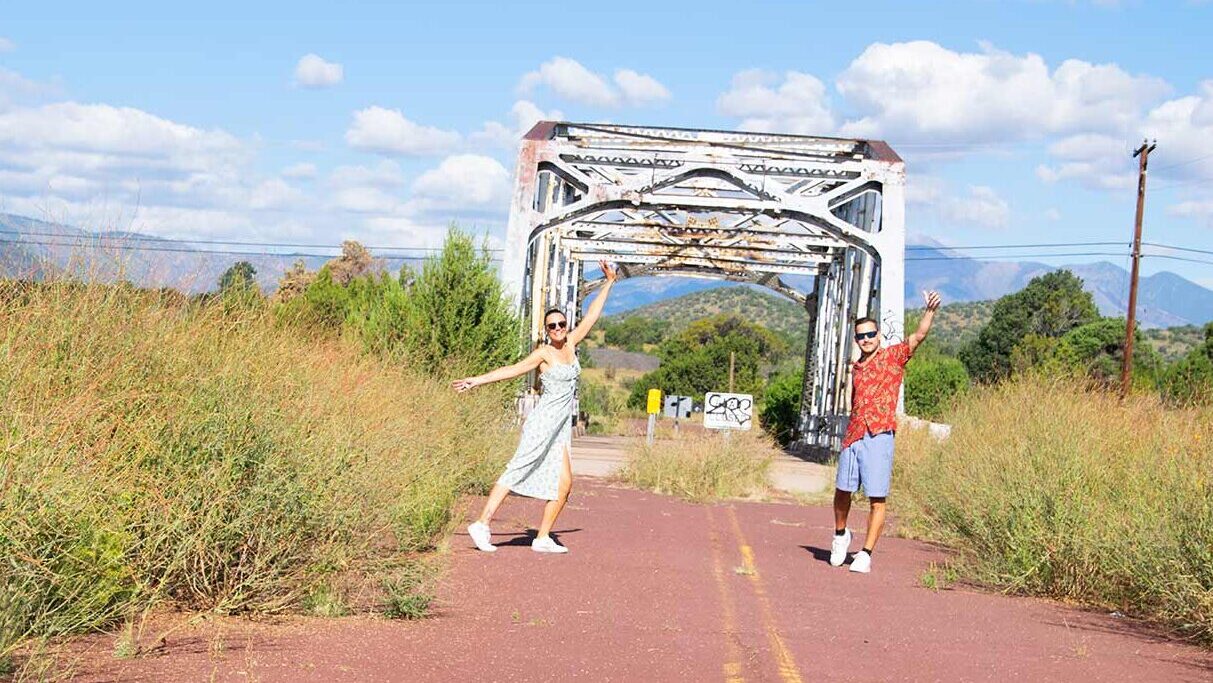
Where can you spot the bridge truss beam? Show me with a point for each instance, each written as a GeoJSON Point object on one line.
{"type": "Point", "coordinates": [763, 209]}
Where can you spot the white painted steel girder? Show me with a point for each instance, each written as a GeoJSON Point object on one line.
{"type": "Point", "coordinates": [745, 207]}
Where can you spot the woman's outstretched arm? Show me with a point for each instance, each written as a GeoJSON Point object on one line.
{"type": "Point", "coordinates": [591, 316]}
{"type": "Point", "coordinates": [506, 372]}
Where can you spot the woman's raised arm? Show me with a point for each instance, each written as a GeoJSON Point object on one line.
{"type": "Point", "coordinates": [591, 316]}
{"type": "Point", "coordinates": [505, 372]}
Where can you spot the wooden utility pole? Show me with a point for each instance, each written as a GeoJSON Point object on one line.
{"type": "Point", "coordinates": [1126, 368]}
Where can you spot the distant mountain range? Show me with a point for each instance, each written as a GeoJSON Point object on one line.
{"type": "Point", "coordinates": [31, 248]}
{"type": "Point", "coordinates": [1164, 299]}
{"type": "Point", "coordinates": [34, 248]}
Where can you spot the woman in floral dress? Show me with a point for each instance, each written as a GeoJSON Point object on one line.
{"type": "Point", "coordinates": [540, 467]}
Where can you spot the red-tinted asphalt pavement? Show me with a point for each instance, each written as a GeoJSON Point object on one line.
{"type": "Point", "coordinates": [660, 590]}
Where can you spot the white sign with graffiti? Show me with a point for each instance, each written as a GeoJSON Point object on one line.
{"type": "Point", "coordinates": [728, 411]}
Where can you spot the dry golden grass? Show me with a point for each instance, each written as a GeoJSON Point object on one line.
{"type": "Point", "coordinates": [1049, 488]}
{"type": "Point", "coordinates": [162, 452]}
{"type": "Point", "coordinates": [703, 467]}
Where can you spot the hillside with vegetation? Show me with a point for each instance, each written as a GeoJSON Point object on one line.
{"type": "Point", "coordinates": [957, 324]}
{"type": "Point", "coordinates": [759, 306]}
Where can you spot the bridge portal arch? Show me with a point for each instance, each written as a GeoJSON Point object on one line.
{"type": "Point", "coordinates": [744, 207]}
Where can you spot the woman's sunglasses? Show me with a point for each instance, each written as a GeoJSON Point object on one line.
{"type": "Point", "coordinates": [558, 325]}
{"type": "Point", "coordinates": [860, 336]}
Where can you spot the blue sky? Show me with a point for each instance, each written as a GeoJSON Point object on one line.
{"type": "Point", "coordinates": [383, 121]}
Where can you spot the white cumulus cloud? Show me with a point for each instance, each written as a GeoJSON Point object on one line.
{"type": "Point", "coordinates": [102, 143]}
{"type": "Point", "coordinates": [99, 166]}
{"type": "Point", "coordinates": [797, 104]}
{"type": "Point", "coordinates": [275, 194]}
{"type": "Point", "coordinates": [979, 206]}
{"type": "Point", "coordinates": [923, 92]}
{"type": "Point", "coordinates": [387, 131]}
{"type": "Point", "coordinates": [464, 180]}
{"type": "Point", "coordinates": [1095, 160]}
{"type": "Point", "coordinates": [313, 71]}
{"type": "Point", "coordinates": [640, 89]}
{"type": "Point", "coordinates": [300, 170]}
{"type": "Point", "coordinates": [523, 116]}
{"type": "Point", "coordinates": [571, 80]}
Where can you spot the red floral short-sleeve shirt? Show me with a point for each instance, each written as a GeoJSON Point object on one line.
{"type": "Point", "coordinates": [877, 384]}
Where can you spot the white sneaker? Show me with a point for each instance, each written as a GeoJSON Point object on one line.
{"type": "Point", "coordinates": [547, 545]}
{"type": "Point", "coordinates": [862, 562]}
{"type": "Point", "coordinates": [482, 536]}
{"type": "Point", "coordinates": [839, 547]}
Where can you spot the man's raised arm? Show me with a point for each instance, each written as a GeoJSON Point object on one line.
{"type": "Point", "coordinates": [924, 326]}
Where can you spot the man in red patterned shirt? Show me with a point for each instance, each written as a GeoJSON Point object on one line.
{"type": "Point", "coordinates": [867, 447]}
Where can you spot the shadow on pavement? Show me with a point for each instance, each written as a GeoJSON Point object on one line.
{"type": "Point", "coordinates": [820, 554]}
{"type": "Point", "coordinates": [525, 537]}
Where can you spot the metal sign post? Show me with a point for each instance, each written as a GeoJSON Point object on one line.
{"type": "Point", "coordinates": [654, 407]}
{"type": "Point", "coordinates": [677, 407]}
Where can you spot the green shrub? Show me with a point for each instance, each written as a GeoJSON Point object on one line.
{"type": "Point", "coordinates": [1097, 350]}
{"type": "Point", "coordinates": [1189, 381]}
{"type": "Point", "coordinates": [634, 332]}
{"type": "Point", "coordinates": [932, 382]}
{"type": "Point", "coordinates": [696, 360]}
{"type": "Point", "coordinates": [1048, 307]}
{"type": "Point", "coordinates": [407, 596]}
{"type": "Point", "coordinates": [457, 312]}
{"type": "Point", "coordinates": [780, 411]}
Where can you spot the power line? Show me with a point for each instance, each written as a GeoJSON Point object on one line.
{"type": "Point", "coordinates": [170, 248]}
{"type": "Point", "coordinates": [187, 250]}
{"type": "Point", "coordinates": [918, 247]}
{"type": "Point", "coordinates": [1185, 183]}
{"type": "Point", "coordinates": [1179, 258]}
{"type": "Point", "coordinates": [1010, 256]}
{"type": "Point", "coordinates": [147, 238]}
{"type": "Point", "coordinates": [1169, 246]}
{"type": "Point", "coordinates": [114, 240]}
{"type": "Point", "coordinates": [1184, 163]}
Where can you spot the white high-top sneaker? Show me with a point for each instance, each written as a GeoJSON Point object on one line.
{"type": "Point", "coordinates": [547, 545]}
{"type": "Point", "coordinates": [482, 536]}
{"type": "Point", "coordinates": [839, 547]}
{"type": "Point", "coordinates": [862, 562]}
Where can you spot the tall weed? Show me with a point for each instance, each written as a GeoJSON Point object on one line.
{"type": "Point", "coordinates": [1049, 487]}
{"type": "Point", "coordinates": [157, 450]}
{"type": "Point", "coordinates": [703, 467]}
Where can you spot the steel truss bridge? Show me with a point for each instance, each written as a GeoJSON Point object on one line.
{"type": "Point", "coordinates": [747, 207]}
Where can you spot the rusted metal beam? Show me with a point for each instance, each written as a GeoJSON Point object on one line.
{"type": "Point", "coordinates": [738, 206]}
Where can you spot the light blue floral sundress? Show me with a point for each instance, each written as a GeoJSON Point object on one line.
{"type": "Point", "coordinates": [535, 468]}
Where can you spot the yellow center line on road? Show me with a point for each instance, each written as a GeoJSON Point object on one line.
{"type": "Point", "coordinates": [732, 653]}
{"type": "Point", "coordinates": [783, 656]}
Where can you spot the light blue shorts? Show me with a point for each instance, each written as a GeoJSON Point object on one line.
{"type": "Point", "coordinates": [867, 463]}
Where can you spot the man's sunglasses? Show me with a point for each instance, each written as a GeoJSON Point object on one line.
{"type": "Point", "coordinates": [558, 325]}
{"type": "Point", "coordinates": [860, 336]}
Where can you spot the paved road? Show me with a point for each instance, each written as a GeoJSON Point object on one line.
{"type": "Point", "coordinates": [602, 456]}
{"type": "Point", "coordinates": [660, 590]}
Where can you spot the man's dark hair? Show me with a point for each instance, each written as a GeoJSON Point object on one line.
{"type": "Point", "coordinates": [867, 319]}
